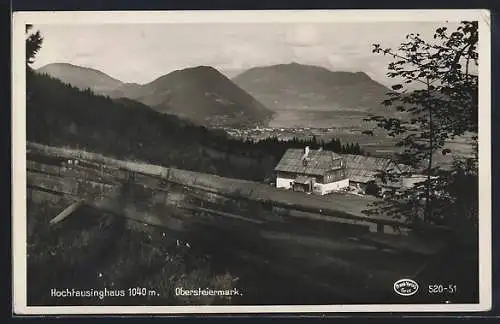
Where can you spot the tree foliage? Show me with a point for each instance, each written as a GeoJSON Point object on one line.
{"type": "Point", "coordinates": [437, 96]}
{"type": "Point", "coordinates": [33, 45]}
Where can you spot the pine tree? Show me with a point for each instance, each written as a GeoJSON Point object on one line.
{"type": "Point", "coordinates": [33, 45]}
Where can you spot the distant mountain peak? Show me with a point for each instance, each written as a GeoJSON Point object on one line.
{"type": "Point", "coordinates": [195, 69]}
{"type": "Point", "coordinates": [81, 77]}
{"type": "Point", "coordinates": [68, 66]}
{"type": "Point", "coordinates": [294, 86]}
{"type": "Point", "coordinates": [295, 67]}
{"type": "Point", "coordinates": [196, 73]}
{"type": "Point", "coordinates": [310, 67]}
{"type": "Point", "coordinates": [202, 67]}
{"type": "Point", "coordinates": [204, 95]}
{"type": "Point", "coordinates": [363, 75]}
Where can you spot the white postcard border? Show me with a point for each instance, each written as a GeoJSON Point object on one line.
{"type": "Point", "coordinates": [282, 16]}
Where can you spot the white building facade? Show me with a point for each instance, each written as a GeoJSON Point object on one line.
{"type": "Point", "coordinates": [326, 188]}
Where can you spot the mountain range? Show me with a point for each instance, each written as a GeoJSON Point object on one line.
{"type": "Point", "coordinates": [253, 97]}
{"type": "Point", "coordinates": [200, 94]}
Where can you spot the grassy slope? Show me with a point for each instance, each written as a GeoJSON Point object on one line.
{"type": "Point", "coordinates": [93, 250]}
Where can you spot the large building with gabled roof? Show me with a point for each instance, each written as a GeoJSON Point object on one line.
{"type": "Point", "coordinates": [312, 171]}
{"type": "Point", "coordinates": [322, 172]}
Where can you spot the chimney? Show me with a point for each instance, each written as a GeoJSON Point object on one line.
{"type": "Point", "coordinates": [304, 156]}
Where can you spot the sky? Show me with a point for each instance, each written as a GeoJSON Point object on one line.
{"type": "Point", "coordinates": [141, 53]}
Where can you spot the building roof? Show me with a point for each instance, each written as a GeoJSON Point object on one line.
{"type": "Point", "coordinates": [363, 169]}
{"type": "Point", "coordinates": [318, 162]}
{"type": "Point", "coordinates": [360, 175]}
{"type": "Point", "coordinates": [367, 162]}
{"type": "Point", "coordinates": [359, 168]}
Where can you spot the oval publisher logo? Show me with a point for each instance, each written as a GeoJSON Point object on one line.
{"type": "Point", "coordinates": [405, 287]}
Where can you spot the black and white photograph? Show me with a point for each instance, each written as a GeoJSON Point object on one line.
{"type": "Point", "coordinates": [251, 161]}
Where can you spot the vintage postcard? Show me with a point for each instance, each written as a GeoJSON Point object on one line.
{"type": "Point", "coordinates": [251, 162]}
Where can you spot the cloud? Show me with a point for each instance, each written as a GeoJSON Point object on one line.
{"type": "Point", "coordinates": [302, 35]}
{"type": "Point", "coordinates": [142, 52]}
